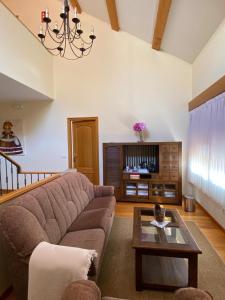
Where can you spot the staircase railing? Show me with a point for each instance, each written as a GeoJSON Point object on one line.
{"type": "Point", "coordinates": [13, 178]}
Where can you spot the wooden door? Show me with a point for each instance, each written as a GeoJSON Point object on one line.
{"type": "Point", "coordinates": [83, 146]}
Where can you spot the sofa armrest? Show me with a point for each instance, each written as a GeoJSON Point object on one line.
{"type": "Point", "coordinates": [82, 289]}
{"type": "Point", "coordinates": [103, 190]}
{"type": "Point", "coordinates": [192, 293]}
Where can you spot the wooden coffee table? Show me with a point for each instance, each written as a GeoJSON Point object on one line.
{"type": "Point", "coordinates": [165, 259]}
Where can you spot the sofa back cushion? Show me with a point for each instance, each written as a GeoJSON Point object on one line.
{"type": "Point", "coordinates": [45, 212]}
{"type": "Point", "coordinates": [21, 230]}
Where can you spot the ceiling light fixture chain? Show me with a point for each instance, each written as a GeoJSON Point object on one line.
{"type": "Point", "coordinates": [66, 35]}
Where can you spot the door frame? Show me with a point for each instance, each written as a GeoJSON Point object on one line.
{"type": "Point", "coordinates": [70, 141]}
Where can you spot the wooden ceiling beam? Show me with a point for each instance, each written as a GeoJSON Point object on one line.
{"type": "Point", "coordinates": [160, 25]}
{"type": "Point", "coordinates": [76, 4]}
{"type": "Point", "coordinates": [112, 11]}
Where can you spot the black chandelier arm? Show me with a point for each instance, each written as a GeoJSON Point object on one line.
{"type": "Point", "coordinates": [43, 38]}
{"type": "Point", "coordinates": [89, 47]}
{"type": "Point", "coordinates": [86, 53]}
{"type": "Point", "coordinates": [68, 58]}
{"type": "Point", "coordinates": [50, 34]}
{"type": "Point", "coordinates": [62, 53]}
{"type": "Point", "coordinates": [75, 36]}
{"type": "Point", "coordinates": [75, 46]}
{"type": "Point", "coordinates": [60, 34]}
{"type": "Point", "coordinates": [52, 49]}
{"type": "Point", "coordinates": [78, 56]}
{"type": "Point", "coordinates": [85, 42]}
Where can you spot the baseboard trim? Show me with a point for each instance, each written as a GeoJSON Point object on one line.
{"type": "Point", "coordinates": [6, 293]}
{"type": "Point", "coordinates": [206, 211]}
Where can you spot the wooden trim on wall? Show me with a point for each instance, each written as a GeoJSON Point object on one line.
{"type": "Point", "coordinates": [160, 25]}
{"type": "Point", "coordinates": [69, 137]}
{"type": "Point", "coordinates": [26, 189]}
{"type": "Point", "coordinates": [112, 11]}
{"type": "Point", "coordinates": [214, 90]}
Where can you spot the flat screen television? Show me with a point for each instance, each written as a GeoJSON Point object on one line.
{"type": "Point", "coordinates": [141, 158]}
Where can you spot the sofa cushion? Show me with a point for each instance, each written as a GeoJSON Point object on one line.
{"type": "Point", "coordinates": [87, 239]}
{"type": "Point", "coordinates": [89, 219]}
{"type": "Point", "coordinates": [102, 202]}
{"type": "Point", "coordinates": [21, 230]}
{"type": "Point", "coordinates": [79, 182]}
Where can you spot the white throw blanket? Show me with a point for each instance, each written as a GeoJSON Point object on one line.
{"type": "Point", "coordinates": [53, 267]}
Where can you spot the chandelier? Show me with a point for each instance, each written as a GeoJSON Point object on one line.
{"type": "Point", "coordinates": [66, 39]}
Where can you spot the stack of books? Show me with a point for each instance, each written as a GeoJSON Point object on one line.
{"type": "Point", "coordinates": [134, 176]}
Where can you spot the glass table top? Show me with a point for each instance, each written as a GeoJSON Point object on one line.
{"type": "Point", "coordinates": [171, 234]}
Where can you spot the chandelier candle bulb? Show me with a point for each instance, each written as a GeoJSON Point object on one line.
{"type": "Point", "coordinates": [75, 12]}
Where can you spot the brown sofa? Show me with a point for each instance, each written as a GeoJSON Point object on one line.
{"type": "Point", "coordinates": [88, 290]}
{"type": "Point", "coordinates": [84, 290]}
{"type": "Point", "coordinates": [69, 211]}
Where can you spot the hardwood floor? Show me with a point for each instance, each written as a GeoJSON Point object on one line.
{"type": "Point", "coordinates": [214, 233]}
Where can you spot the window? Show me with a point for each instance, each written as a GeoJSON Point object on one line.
{"type": "Point", "coordinates": [206, 148]}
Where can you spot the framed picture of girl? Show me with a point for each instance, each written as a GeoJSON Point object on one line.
{"type": "Point", "coordinates": [11, 137]}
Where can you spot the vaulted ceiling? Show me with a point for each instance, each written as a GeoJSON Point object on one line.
{"type": "Point", "coordinates": [188, 23]}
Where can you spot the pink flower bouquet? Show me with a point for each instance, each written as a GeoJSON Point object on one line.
{"type": "Point", "coordinates": [139, 127]}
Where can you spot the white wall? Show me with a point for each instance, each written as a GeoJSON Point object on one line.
{"type": "Point", "coordinates": [208, 67]}
{"type": "Point", "coordinates": [23, 58]}
{"type": "Point", "coordinates": [122, 81]}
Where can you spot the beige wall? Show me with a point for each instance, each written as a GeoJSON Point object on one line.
{"type": "Point", "coordinates": [23, 58]}
{"type": "Point", "coordinates": [208, 67]}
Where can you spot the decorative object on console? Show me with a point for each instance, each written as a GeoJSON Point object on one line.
{"type": "Point", "coordinates": [159, 213]}
{"type": "Point", "coordinates": [139, 127]}
{"type": "Point", "coordinates": [65, 35]}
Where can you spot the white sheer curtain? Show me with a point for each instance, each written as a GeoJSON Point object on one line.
{"type": "Point", "coordinates": [206, 148]}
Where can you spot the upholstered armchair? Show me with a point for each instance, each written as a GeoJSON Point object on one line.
{"type": "Point", "coordinates": [88, 290]}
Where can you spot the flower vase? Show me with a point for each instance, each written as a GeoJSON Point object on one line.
{"type": "Point", "coordinates": [141, 140]}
